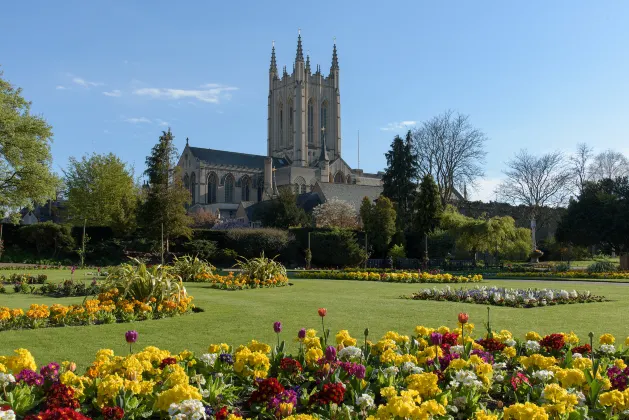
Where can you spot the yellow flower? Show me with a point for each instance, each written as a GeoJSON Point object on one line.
{"type": "Point", "coordinates": [582, 363]}
{"type": "Point", "coordinates": [607, 339]}
{"type": "Point", "coordinates": [424, 383]}
{"type": "Point", "coordinates": [457, 364]}
{"type": "Point", "coordinates": [533, 336]}
{"type": "Point", "coordinates": [509, 352]}
{"type": "Point", "coordinates": [559, 401]}
{"type": "Point", "coordinates": [343, 338]}
{"type": "Point", "coordinates": [388, 392]}
{"type": "Point", "coordinates": [108, 389]}
{"type": "Point", "coordinates": [526, 411]}
{"type": "Point", "coordinates": [422, 331]}
{"type": "Point", "coordinates": [23, 359]}
{"type": "Point", "coordinates": [175, 395]}
{"type": "Point", "coordinates": [218, 348]}
{"type": "Point", "coordinates": [620, 364]}
{"type": "Point", "coordinates": [482, 415]}
{"type": "Point", "coordinates": [613, 398]}
{"type": "Point", "coordinates": [570, 377]}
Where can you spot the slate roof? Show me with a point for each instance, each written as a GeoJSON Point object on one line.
{"type": "Point", "coordinates": [223, 157]}
{"type": "Point", "coordinates": [352, 193]}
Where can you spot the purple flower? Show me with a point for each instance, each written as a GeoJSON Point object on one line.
{"type": "Point", "coordinates": [50, 371]}
{"type": "Point", "coordinates": [277, 327]}
{"type": "Point", "coordinates": [436, 339]}
{"type": "Point", "coordinates": [30, 377]}
{"type": "Point", "coordinates": [301, 334]}
{"type": "Point", "coordinates": [487, 357]}
{"type": "Point", "coordinates": [287, 396]}
{"type": "Point", "coordinates": [226, 358]}
{"type": "Point", "coordinates": [353, 369]}
{"type": "Point", "coordinates": [330, 353]}
{"type": "Point", "coordinates": [131, 336]}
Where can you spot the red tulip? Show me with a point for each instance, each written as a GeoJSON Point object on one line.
{"type": "Point", "coordinates": [322, 312]}
{"type": "Point", "coordinates": [463, 318]}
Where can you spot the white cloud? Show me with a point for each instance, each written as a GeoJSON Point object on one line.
{"type": "Point", "coordinates": [61, 87]}
{"type": "Point", "coordinates": [115, 93]}
{"type": "Point", "coordinates": [162, 123]}
{"type": "Point", "coordinates": [85, 83]}
{"type": "Point", "coordinates": [211, 93]}
{"type": "Point", "coordinates": [138, 120]}
{"type": "Point", "coordinates": [395, 126]}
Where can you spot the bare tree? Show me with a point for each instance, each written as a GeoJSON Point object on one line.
{"type": "Point", "coordinates": [450, 149]}
{"type": "Point", "coordinates": [609, 164]}
{"type": "Point", "coordinates": [579, 166]}
{"type": "Point", "coordinates": [536, 182]}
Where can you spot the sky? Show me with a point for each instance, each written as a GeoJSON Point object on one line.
{"type": "Point", "coordinates": [109, 76]}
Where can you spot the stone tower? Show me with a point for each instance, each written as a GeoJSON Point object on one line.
{"type": "Point", "coordinates": [303, 108]}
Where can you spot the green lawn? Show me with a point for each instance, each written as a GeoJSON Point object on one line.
{"type": "Point", "coordinates": [586, 263]}
{"type": "Point", "coordinates": [238, 316]}
{"type": "Point", "coordinates": [56, 275]}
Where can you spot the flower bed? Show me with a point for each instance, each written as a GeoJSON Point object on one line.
{"type": "Point", "coordinates": [500, 296]}
{"type": "Point", "coordinates": [241, 281]}
{"type": "Point", "coordinates": [108, 308]}
{"type": "Point", "coordinates": [433, 374]}
{"type": "Point", "coordinates": [24, 278]}
{"type": "Point", "coordinates": [572, 274]}
{"type": "Point", "coordinates": [395, 277]}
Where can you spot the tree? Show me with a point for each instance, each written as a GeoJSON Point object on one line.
{"type": "Point", "coordinates": [379, 222]}
{"type": "Point", "coordinates": [164, 207]}
{"type": "Point", "coordinates": [48, 238]}
{"type": "Point", "coordinates": [427, 208]}
{"type": "Point", "coordinates": [25, 159]}
{"type": "Point", "coordinates": [579, 166]}
{"type": "Point", "coordinates": [101, 190]}
{"type": "Point", "coordinates": [609, 164]}
{"type": "Point", "coordinates": [400, 178]}
{"type": "Point", "coordinates": [203, 218]}
{"type": "Point", "coordinates": [281, 212]}
{"type": "Point", "coordinates": [450, 149]}
{"type": "Point", "coordinates": [599, 216]}
{"type": "Point", "coordinates": [335, 213]}
{"type": "Point", "coordinates": [536, 182]}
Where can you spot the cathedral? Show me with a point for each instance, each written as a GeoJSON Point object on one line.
{"type": "Point", "coordinates": [303, 147]}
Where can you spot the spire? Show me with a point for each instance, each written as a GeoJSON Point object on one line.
{"type": "Point", "coordinates": [186, 141]}
{"type": "Point", "coordinates": [307, 63]}
{"type": "Point", "coordinates": [300, 51]}
{"type": "Point", "coordinates": [335, 59]}
{"type": "Point", "coordinates": [324, 150]}
{"type": "Point", "coordinates": [273, 68]}
{"type": "Point", "coordinates": [285, 73]}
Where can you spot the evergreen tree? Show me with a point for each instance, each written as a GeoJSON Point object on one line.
{"type": "Point", "coordinates": [379, 223]}
{"type": "Point", "coordinates": [281, 212]}
{"type": "Point", "coordinates": [399, 179]}
{"type": "Point", "coordinates": [166, 196]}
{"type": "Point", "coordinates": [427, 206]}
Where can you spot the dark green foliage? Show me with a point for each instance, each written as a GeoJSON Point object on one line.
{"type": "Point", "coordinates": [336, 248]}
{"type": "Point", "coordinates": [599, 217]}
{"type": "Point", "coordinates": [602, 267]}
{"type": "Point", "coordinates": [47, 239]}
{"type": "Point", "coordinates": [201, 248]}
{"type": "Point", "coordinates": [281, 212]}
{"type": "Point", "coordinates": [379, 223]}
{"type": "Point", "coordinates": [400, 177]}
{"type": "Point", "coordinates": [249, 243]}
{"type": "Point", "coordinates": [427, 207]}
{"type": "Point", "coordinates": [440, 244]}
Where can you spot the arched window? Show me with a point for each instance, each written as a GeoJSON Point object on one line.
{"type": "Point", "coordinates": [186, 181]}
{"type": "Point", "coordinates": [339, 178]}
{"type": "Point", "coordinates": [229, 188]}
{"type": "Point", "coordinates": [193, 180]}
{"type": "Point", "coordinates": [324, 118]}
{"type": "Point", "coordinates": [310, 123]}
{"type": "Point", "coordinates": [245, 188]}
{"type": "Point", "coordinates": [349, 179]}
{"type": "Point", "coordinates": [212, 182]}
{"type": "Point", "coordinates": [300, 185]}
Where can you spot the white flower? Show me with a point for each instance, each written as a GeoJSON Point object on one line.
{"type": "Point", "coordinates": [510, 342]}
{"type": "Point", "coordinates": [349, 353]}
{"type": "Point", "coordinates": [458, 349]}
{"type": "Point", "coordinates": [499, 366]}
{"type": "Point", "coordinates": [365, 401]}
{"type": "Point", "coordinates": [209, 358]}
{"type": "Point", "coordinates": [187, 410]}
{"type": "Point", "coordinates": [409, 367]}
{"type": "Point", "coordinates": [460, 402]}
{"type": "Point", "coordinates": [7, 415]}
{"type": "Point", "coordinates": [564, 294]}
{"type": "Point", "coordinates": [608, 348]}
{"type": "Point", "coordinates": [6, 379]}
{"type": "Point", "coordinates": [391, 371]}
{"type": "Point", "coordinates": [574, 294]}
{"type": "Point", "coordinates": [577, 355]}
{"type": "Point", "coordinates": [467, 378]}
{"type": "Point", "coordinates": [532, 346]}
{"type": "Point", "coordinates": [543, 375]}
{"type": "Point", "coordinates": [499, 378]}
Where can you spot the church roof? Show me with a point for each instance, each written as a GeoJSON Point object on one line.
{"type": "Point", "coordinates": [352, 193]}
{"type": "Point", "coordinates": [223, 157]}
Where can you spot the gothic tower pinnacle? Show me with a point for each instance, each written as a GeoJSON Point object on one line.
{"type": "Point", "coordinates": [335, 59]}
{"type": "Point", "coordinates": [273, 68]}
{"type": "Point", "coordinates": [300, 51]}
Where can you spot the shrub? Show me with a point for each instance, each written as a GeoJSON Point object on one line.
{"type": "Point", "coordinates": [202, 248]}
{"type": "Point", "coordinates": [139, 282]}
{"type": "Point", "coordinates": [261, 268]}
{"type": "Point", "coordinates": [250, 243]}
{"type": "Point", "coordinates": [602, 267]}
{"type": "Point", "coordinates": [188, 268]}
{"type": "Point", "coordinates": [46, 237]}
{"type": "Point", "coordinates": [397, 251]}
{"type": "Point", "coordinates": [336, 248]}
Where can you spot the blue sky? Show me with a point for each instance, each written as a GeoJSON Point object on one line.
{"type": "Point", "coordinates": [109, 76]}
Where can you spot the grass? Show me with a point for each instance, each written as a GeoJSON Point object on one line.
{"type": "Point", "coordinates": [236, 317]}
{"type": "Point", "coordinates": [56, 275]}
{"type": "Point", "coordinates": [587, 263]}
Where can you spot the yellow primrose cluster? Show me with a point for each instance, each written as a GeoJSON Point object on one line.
{"type": "Point", "coordinates": [395, 277]}
{"type": "Point", "coordinates": [313, 349]}
{"type": "Point", "coordinates": [240, 281]}
{"type": "Point", "coordinates": [252, 360]}
{"type": "Point", "coordinates": [23, 359]}
{"type": "Point", "coordinates": [408, 404]}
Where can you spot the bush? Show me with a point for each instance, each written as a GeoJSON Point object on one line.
{"type": "Point", "coordinates": [201, 248]}
{"type": "Point", "coordinates": [189, 268]}
{"type": "Point", "coordinates": [397, 251]}
{"type": "Point", "coordinates": [139, 282]}
{"type": "Point", "coordinates": [250, 243]}
{"type": "Point", "coordinates": [261, 268]}
{"type": "Point", "coordinates": [47, 238]}
{"type": "Point", "coordinates": [602, 267]}
{"type": "Point", "coordinates": [336, 248]}
{"type": "Point", "coordinates": [225, 257]}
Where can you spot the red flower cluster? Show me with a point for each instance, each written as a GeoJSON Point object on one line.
{"type": "Point", "coordinates": [267, 389]}
{"type": "Point", "coordinates": [584, 349]}
{"type": "Point", "coordinates": [450, 338]}
{"type": "Point", "coordinates": [223, 413]}
{"type": "Point", "coordinates": [57, 414]}
{"type": "Point", "coordinates": [112, 413]}
{"type": "Point", "coordinates": [167, 361]}
{"type": "Point", "coordinates": [290, 366]}
{"type": "Point", "coordinates": [519, 379]}
{"type": "Point", "coordinates": [553, 342]}
{"type": "Point", "coordinates": [331, 393]}
{"type": "Point", "coordinates": [491, 344]}
{"type": "Point", "coordinates": [61, 396]}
